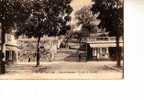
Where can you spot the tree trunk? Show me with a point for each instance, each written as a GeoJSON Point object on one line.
{"type": "Point", "coordinates": [38, 52]}
{"type": "Point", "coordinates": [118, 51]}
{"type": "Point", "coordinates": [3, 49]}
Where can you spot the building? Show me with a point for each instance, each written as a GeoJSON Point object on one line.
{"type": "Point", "coordinates": [96, 46]}
{"type": "Point", "coordinates": [11, 49]}
{"type": "Point", "coordinates": [104, 48]}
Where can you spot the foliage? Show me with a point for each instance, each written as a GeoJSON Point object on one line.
{"type": "Point", "coordinates": [111, 15]}
{"type": "Point", "coordinates": [47, 17]}
{"type": "Point", "coordinates": [87, 20]}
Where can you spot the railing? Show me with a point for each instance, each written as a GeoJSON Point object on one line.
{"type": "Point", "coordinates": [103, 39]}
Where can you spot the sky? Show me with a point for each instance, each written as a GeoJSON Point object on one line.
{"type": "Point", "coordinates": [77, 4]}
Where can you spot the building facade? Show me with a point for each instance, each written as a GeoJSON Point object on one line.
{"type": "Point", "coordinates": [104, 48]}
{"type": "Point", "coordinates": [11, 49]}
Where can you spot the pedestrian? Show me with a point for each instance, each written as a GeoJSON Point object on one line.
{"type": "Point", "coordinates": [29, 59]}
{"type": "Point", "coordinates": [79, 57]}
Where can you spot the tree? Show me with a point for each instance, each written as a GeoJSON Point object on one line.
{"type": "Point", "coordinates": [10, 11]}
{"type": "Point", "coordinates": [47, 17]}
{"type": "Point", "coordinates": [89, 24]}
{"type": "Point", "coordinates": [111, 15]}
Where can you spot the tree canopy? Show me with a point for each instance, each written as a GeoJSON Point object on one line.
{"type": "Point", "coordinates": [46, 17]}
{"type": "Point", "coordinates": [111, 15]}
{"type": "Point", "coordinates": [88, 21]}
{"type": "Point", "coordinates": [11, 12]}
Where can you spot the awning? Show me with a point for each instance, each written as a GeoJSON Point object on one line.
{"type": "Point", "coordinates": [95, 45]}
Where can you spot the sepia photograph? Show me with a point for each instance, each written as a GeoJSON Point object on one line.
{"type": "Point", "coordinates": [61, 39]}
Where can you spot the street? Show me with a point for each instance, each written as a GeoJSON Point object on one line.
{"type": "Point", "coordinates": [64, 70]}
